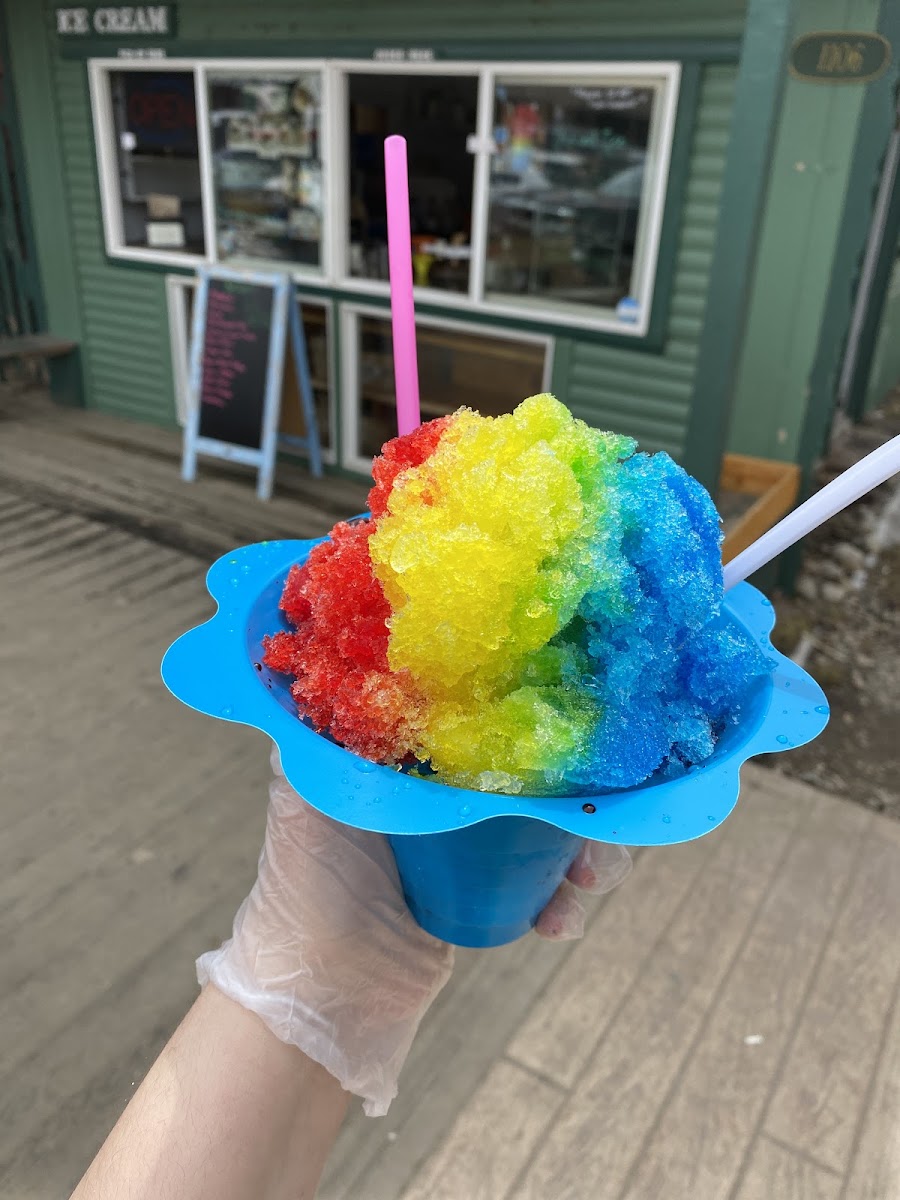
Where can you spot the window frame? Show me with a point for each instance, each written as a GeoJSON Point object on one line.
{"type": "Point", "coordinates": [474, 300]}
{"type": "Point", "coordinates": [302, 273]}
{"type": "Point", "coordinates": [350, 312]}
{"type": "Point", "coordinates": [99, 70]}
{"type": "Point", "coordinates": [333, 274]}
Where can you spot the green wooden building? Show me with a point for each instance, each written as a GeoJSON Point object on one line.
{"type": "Point", "coordinates": [659, 211]}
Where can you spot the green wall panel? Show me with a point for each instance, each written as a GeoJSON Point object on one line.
{"type": "Point", "coordinates": [31, 56]}
{"type": "Point", "coordinates": [808, 185]}
{"type": "Point", "coordinates": [125, 339]}
{"type": "Point", "coordinates": [648, 396]}
{"type": "Point", "coordinates": [405, 22]}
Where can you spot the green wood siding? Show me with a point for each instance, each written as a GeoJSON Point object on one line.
{"type": "Point", "coordinates": [410, 22]}
{"type": "Point", "coordinates": [807, 191]}
{"type": "Point", "coordinates": [30, 64]}
{"type": "Point", "coordinates": [125, 338]}
{"type": "Point", "coordinates": [648, 395]}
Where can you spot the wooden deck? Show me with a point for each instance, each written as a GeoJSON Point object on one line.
{"type": "Point", "coordinates": [127, 474]}
{"type": "Point", "coordinates": [728, 1028]}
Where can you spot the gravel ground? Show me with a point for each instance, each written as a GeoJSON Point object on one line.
{"type": "Point", "coordinates": [844, 624]}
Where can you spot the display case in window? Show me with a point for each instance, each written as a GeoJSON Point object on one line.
{"type": "Point", "coordinates": [435, 114]}
{"type": "Point", "coordinates": [456, 367]}
{"type": "Point", "coordinates": [567, 190]}
{"type": "Point", "coordinates": [154, 117]}
{"type": "Point", "coordinates": [267, 166]}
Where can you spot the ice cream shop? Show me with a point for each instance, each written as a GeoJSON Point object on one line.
{"type": "Point", "coordinates": [647, 208]}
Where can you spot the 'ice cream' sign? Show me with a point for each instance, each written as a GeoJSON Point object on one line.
{"type": "Point", "coordinates": [157, 20]}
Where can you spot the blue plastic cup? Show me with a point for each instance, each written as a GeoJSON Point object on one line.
{"type": "Point", "coordinates": [477, 867]}
{"type": "Point", "coordinates": [485, 884]}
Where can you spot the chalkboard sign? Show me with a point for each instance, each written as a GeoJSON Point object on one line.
{"type": "Point", "coordinates": [235, 361]}
{"type": "Point", "coordinates": [240, 324]}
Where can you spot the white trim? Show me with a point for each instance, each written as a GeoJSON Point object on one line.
{"type": "Point", "coordinates": [104, 130]}
{"type": "Point", "coordinates": [481, 177]}
{"type": "Point", "coordinates": [236, 66]}
{"type": "Point", "coordinates": [659, 153]}
{"type": "Point", "coordinates": [666, 76]}
{"type": "Point", "coordinates": [350, 311]}
{"type": "Point", "coordinates": [177, 287]}
{"type": "Point", "coordinates": [241, 66]}
{"type": "Point", "coordinates": [102, 116]}
{"type": "Point", "coordinates": [350, 389]}
{"type": "Point", "coordinates": [204, 150]}
{"type": "Point", "coordinates": [161, 258]}
{"type": "Point", "coordinates": [435, 66]}
{"type": "Point", "coordinates": [336, 219]}
{"type": "Point", "coordinates": [144, 64]}
{"type": "Point", "coordinates": [299, 271]}
{"type": "Point", "coordinates": [274, 67]}
{"type": "Point", "coordinates": [433, 296]}
{"type": "Point", "coordinates": [329, 452]}
{"type": "Point", "coordinates": [528, 309]}
{"type": "Point", "coordinates": [584, 72]}
{"type": "Point", "coordinates": [549, 361]}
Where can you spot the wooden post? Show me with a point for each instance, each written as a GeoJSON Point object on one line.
{"type": "Point", "coordinates": [757, 103]}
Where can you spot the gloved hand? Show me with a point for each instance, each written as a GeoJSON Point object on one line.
{"type": "Point", "coordinates": [326, 953]}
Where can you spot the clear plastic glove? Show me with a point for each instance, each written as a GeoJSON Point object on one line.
{"type": "Point", "coordinates": [326, 953]}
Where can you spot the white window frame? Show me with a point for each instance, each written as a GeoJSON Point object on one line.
{"type": "Point", "coordinates": [352, 310]}
{"type": "Point", "coordinates": [99, 70]}
{"type": "Point", "coordinates": [177, 287]}
{"type": "Point", "coordinates": [263, 66]}
{"type": "Point", "coordinates": [333, 272]}
{"type": "Point", "coordinates": [650, 218]}
{"type": "Point", "coordinates": [662, 131]}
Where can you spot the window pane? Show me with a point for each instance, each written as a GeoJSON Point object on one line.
{"type": "Point", "coordinates": [155, 119]}
{"type": "Point", "coordinates": [435, 114]}
{"type": "Point", "coordinates": [267, 166]}
{"type": "Point", "coordinates": [566, 190]}
{"type": "Point", "coordinates": [456, 367]}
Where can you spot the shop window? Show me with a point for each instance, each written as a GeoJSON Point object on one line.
{"type": "Point", "coordinates": [536, 191]}
{"type": "Point", "coordinates": [152, 189]}
{"type": "Point", "coordinates": [457, 365]}
{"type": "Point", "coordinates": [435, 113]}
{"type": "Point", "coordinates": [570, 193]}
{"type": "Point", "coordinates": [267, 166]}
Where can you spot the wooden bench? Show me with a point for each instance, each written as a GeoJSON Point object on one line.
{"type": "Point", "coordinates": [32, 346]}
{"type": "Point", "coordinates": [774, 485]}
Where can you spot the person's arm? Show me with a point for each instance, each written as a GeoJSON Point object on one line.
{"type": "Point", "coordinates": [317, 994]}
{"type": "Point", "coordinates": [226, 1111]}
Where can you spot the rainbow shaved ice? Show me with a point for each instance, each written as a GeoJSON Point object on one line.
{"type": "Point", "coordinates": [533, 607]}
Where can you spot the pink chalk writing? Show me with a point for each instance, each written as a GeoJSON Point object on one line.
{"type": "Point", "coordinates": [224, 334]}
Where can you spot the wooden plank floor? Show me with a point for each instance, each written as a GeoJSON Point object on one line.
{"type": "Point", "coordinates": [728, 1027]}
{"type": "Point", "coordinates": [126, 474]}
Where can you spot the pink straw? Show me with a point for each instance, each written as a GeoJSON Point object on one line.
{"type": "Point", "coordinates": [403, 317]}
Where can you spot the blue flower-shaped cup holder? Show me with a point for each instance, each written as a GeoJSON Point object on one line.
{"type": "Point", "coordinates": [476, 867]}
